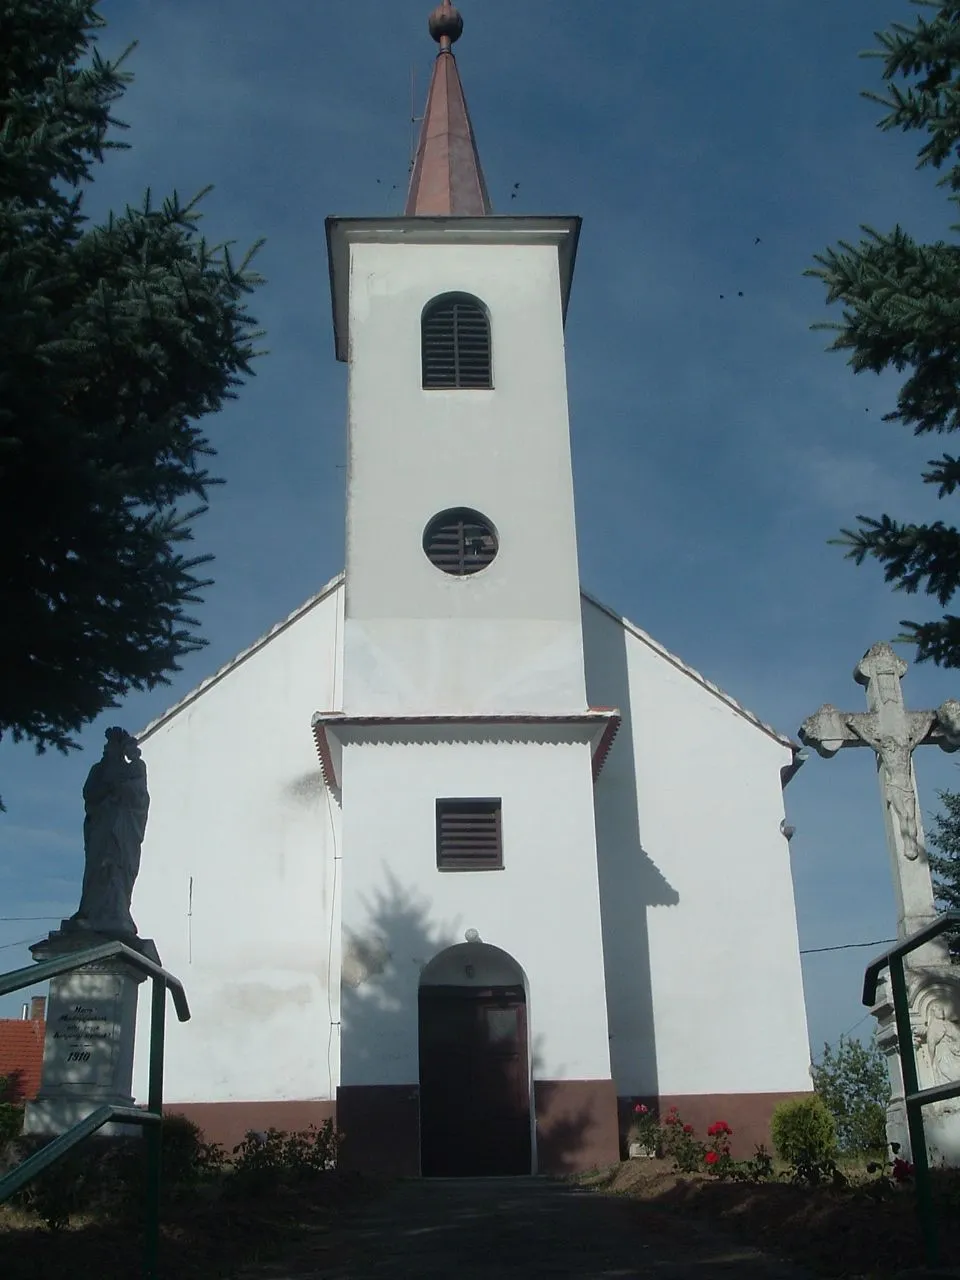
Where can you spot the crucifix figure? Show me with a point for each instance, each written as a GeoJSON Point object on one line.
{"type": "Point", "coordinates": [893, 733]}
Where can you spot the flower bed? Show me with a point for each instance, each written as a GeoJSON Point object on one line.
{"type": "Point", "coordinates": [849, 1218]}
{"type": "Point", "coordinates": [864, 1230]}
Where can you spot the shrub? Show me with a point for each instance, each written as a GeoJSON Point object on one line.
{"type": "Point", "coordinates": [717, 1157]}
{"type": "Point", "coordinates": [804, 1135]}
{"type": "Point", "coordinates": [11, 1087]}
{"type": "Point", "coordinates": [681, 1144]}
{"type": "Point", "coordinates": [106, 1175]}
{"type": "Point", "coordinates": [757, 1169]}
{"type": "Point", "coordinates": [11, 1109]}
{"type": "Point", "coordinates": [62, 1190]}
{"type": "Point", "coordinates": [312, 1150]}
{"type": "Point", "coordinates": [853, 1082]}
{"type": "Point", "coordinates": [186, 1157]}
{"type": "Point", "coordinates": [11, 1122]}
{"type": "Point", "coordinates": [266, 1157]}
{"type": "Point", "coordinates": [258, 1159]}
{"type": "Point", "coordinates": [645, 1128]}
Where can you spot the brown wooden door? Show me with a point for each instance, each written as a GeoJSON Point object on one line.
{"type": "Point", "coordinates": [474, 1092]}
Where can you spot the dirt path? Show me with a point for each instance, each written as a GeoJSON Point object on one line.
{"type": "Point", "coordinates": [519, 1228]}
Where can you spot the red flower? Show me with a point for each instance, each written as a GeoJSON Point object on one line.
{"type": "Point", "coordinates": [688, 1128]}
{"type": "Point", "coordinates": [711, 1157]}
{"type": "Point", "coordinates": [902, 1170]}
{"type": "Point", "coordinates": [717, 1128]}
{"type": "Point", "coordinates": [640, 1109]}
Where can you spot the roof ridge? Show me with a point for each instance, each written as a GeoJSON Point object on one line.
{"type": "Point", "coordinates": [241, 657]}
{"type": "Point", "coordinates": [696, 675]}
{"type": "Point", "coordinates": [336, 582]}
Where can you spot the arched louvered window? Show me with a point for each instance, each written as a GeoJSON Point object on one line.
{"type": "Point", "coordinates": [455, 338]}
{"type": "Point", "coordinates": [460, 541]}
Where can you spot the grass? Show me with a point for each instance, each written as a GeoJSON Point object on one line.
{"type": "Point", "coordinates": [862, 1231]}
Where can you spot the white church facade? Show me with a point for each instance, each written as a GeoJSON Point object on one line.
{"type": "Point", "coordinates": [455, 853]}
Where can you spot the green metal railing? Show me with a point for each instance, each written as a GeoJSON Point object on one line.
{"type": "Point", "coordinates": [915, 1098]}
{"type": "Point", "coordinates": [150, 1118]}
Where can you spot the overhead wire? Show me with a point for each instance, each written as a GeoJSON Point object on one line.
{"type": "Point", "coordinates": [25, 919]}
{"type": "Point", "coordinates": [845, 946]}
{"type": "Point", "coordinates": [5, 946]}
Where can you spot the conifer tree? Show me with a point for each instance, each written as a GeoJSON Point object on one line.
{"type": "Point", "coordinates": [114, 340]}
{"type": "Point", "coordinates": [901, 310]}
{"type": "Point", "coordinates": [945, 864]}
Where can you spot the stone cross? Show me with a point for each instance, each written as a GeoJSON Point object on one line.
{"type": "Point", "coordinates": [892, 733]}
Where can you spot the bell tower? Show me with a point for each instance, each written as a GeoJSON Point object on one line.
{"type": "Point", "coordinates": [452, 322]}
{"type": "Point", "coordinates": [465, 751]}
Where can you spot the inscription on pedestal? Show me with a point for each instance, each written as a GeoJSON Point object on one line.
{"type": "Point", "coordinates": [88, 1052]}
{"type": "Point", "coordinates": [84, 1030]}
{"type": "Point", "coordinates": [79, 1032]}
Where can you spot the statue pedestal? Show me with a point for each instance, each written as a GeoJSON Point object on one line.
{"type": "Point", "coordinates": [91, 1022]}
{"type": "Point", "coordinates": [928, 985]}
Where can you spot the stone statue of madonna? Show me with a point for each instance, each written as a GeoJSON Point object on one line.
{"type": "Point", "coordinates": [116, 801]}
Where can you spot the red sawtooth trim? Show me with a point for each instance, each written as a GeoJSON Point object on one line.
{"type": "Point", "coordinates": [610, 732]}
{"type": "Point", "coordinates": [326, 758]}
{"type": "Point", "coordinates": [609, 717]}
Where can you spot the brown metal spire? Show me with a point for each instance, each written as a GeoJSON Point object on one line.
{"type": "Point", "coordinates": [447, 178]}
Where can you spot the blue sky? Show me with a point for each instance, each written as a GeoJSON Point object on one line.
{"type": "Point", "coordinates": [717, 446]}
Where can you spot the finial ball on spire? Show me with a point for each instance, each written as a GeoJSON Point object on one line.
{"type": "Point", "coordinates": [446, 21]}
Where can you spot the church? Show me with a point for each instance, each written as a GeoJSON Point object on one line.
{"type": "Point", "coordinates": [455, 853]}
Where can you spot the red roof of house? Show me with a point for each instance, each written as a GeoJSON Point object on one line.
{"type": "Point", "coordinates": [21, 1056]}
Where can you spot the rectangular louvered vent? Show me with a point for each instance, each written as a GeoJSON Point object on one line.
{"type": "Point", "coordinates": [469, 835]}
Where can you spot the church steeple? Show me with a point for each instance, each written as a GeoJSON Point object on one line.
{"type": "Point", "coordinates": [447, 177]}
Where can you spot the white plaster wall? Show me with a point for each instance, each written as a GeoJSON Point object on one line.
{"type": "Point", "coordinates": [703, 968]}
{"type": "Point", "coordinates": [237, 803]}
{"type": "Point", "coordinates": [542, 908]}
{"type": "Point", "coordinates": [506, 639]}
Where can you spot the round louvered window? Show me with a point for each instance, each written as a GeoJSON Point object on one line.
{"type": "Point", "coordinates": [460, 541]}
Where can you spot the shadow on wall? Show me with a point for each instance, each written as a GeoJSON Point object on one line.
{"type": "Point", "coordinates": [630, 882]}
{"type": "Point", "coordinates": [381, 964]}
{"type": "Point", "coordinates": [380, 980]}
{"type": "Point", "coordinates": [380, 1031]}
{"type": "Point", "coordinates": [567, 1129]}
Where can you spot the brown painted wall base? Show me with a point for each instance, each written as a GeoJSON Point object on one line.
{"type": "Point", "coordinates": [380, 1127]}
{"type": "Point", "coordinates": [576, 1125]}
{"type": "Point", "coordinates": [227, 1122]}
{"type": "Point", "coordinates": [747, 1114]}
{"type": "Point", "coordinates": [581, 1124]}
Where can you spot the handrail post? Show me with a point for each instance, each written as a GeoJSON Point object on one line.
{"type": "Point", "coordinates": [154, 1133]}
{"type": "Point", "coordinates": [150, 1118]}
{"type": "Point", "coordinates": [918, 1138]}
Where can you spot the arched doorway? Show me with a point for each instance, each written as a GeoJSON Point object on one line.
{"type": "Point", "coordinates": [474, 1068]}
